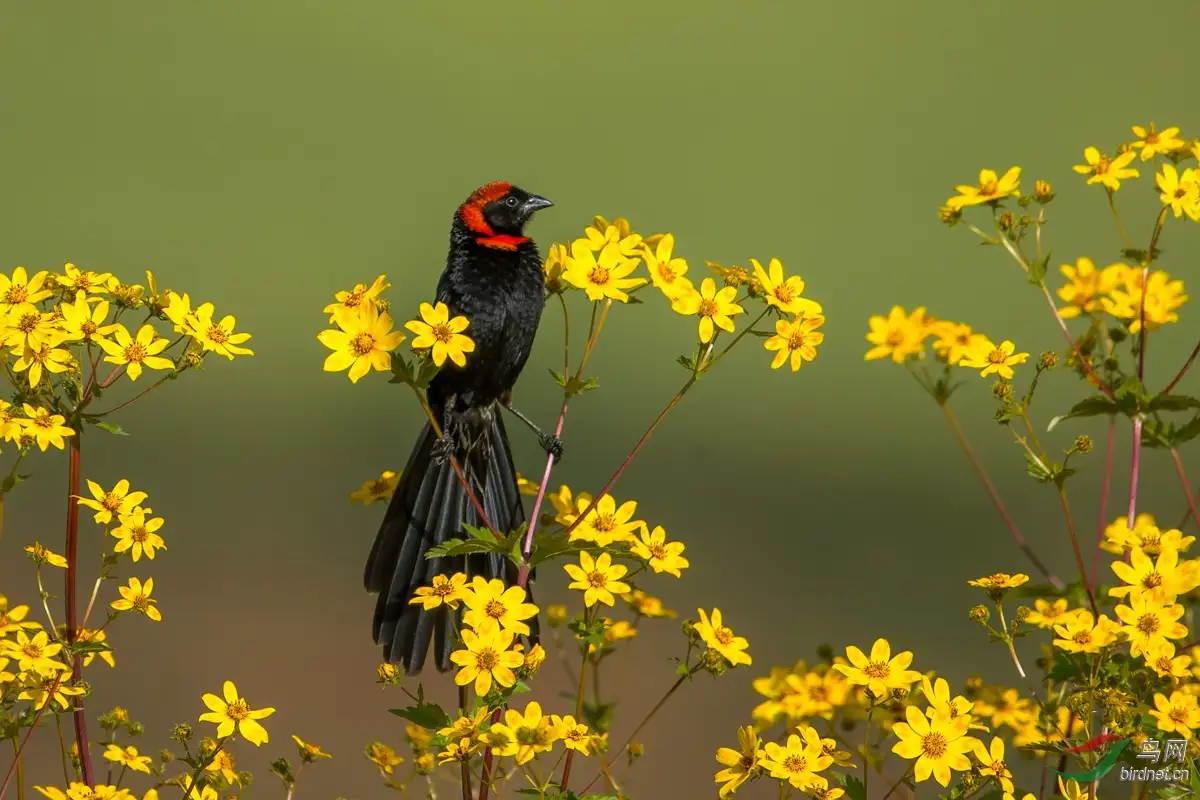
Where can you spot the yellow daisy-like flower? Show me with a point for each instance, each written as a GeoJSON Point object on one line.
{"type": "Point", "coordinates": [553, 266]}
{"type": "Point", "coordinates": [1144, 536]}
{"type": "Point", "coordinates": [20, 288]}
{"type": "Point", "coordinates": [178, 310]}
{"type": "Point", "coordinates": [137, 353]}
{"type": "Point", "coordinates": [440, 334]}
{"type": "Point", "coordinates": [384, 757]}
{"type": "Point", "coordinates": [1000, 580]}
{"type": "Point", "coordinates": [136, 597]}
{"type": "Point", "coordinates": [1178, 714]}
{"type": "Point", "coordinates": [881, 672]}
{"type": "Point", "coordinates": [938, 746]}
{"type": "Point", "coordinates": [25, 326]}
{"type": "Point", "coordinates": [606, 523]}
{"type": "Point", "coordinates": [363, 341]}
{"type": "Point", "coordinates": [309, 753]}
{"type": "Point", "coordinates": [1106, 171]}
{"type": "Point", "coordinates": [796, 761]}
{"type": "Point", "coordinates": [523, 736]}
{"type": "Point", "coordinates": [1046, 614]}
{"type": "Point", "coordinates": [795, 341]}
{"type": "Point", "coordinates": [1147, 623]}
{"type": "Point", "coordinates": [606, 277]}
{"type": "Point", "coordinates": [956, 710]}
{"type": "Point", "coordinates": [1163, 298]}
{"type": "Point", "coordinates": [486, 658]}
{"type": "Point", "coordinates": [231, 712]}
{"type": "Point", "coordinates": [1083, 633]}
{"type": "Point", "coordinates": [138, 535]}
{"type": "Point", "coordinates": [526, 487]}
{"type": "Point", "coordinates": [127, 757]}
{"type": "Point", "coordinates": [661, 555]}
{"type": "Point", "coordinates": [81, 791]}
{"type": "Point", "coordinates": [1086, 285]}
{"type": "Point", "coordinates": [34, 653]}
{"type": "Point", "coordinates": [716, 309]}
{"type": "Point", "coordinates": [953, 340]}
{"type": "Point", "coordinates": [46, 690]}
{"type": "Point", "coordinates": [444, 592]}
{"type": "Point", "coordinates": [95, 635]}
{"type": "Point", "coordinates": [899, 335]}
{"type": "Point", "coordinates": [716, 636]}
{"type": "Point", "coordinates": [602, 233]}
{"type": "Point", "coordinates": [1160, 580]}
{"type": "Point", "coordinates": [462, 750]}
{"type": "Point", "coordinates": [739, 765]}
{"type": "Point", "coordinates": [991, 188]}
{"type": "Point", "coordinates": [490, 605]}
{"type": "Point", "coordinates": [564, 502]}
{"type": "Point", "coordinates": [40, 555]}
{"type": "Point", "coordinates": [1153, 142]}
{"type": "Point", "coordinates": [645, 605]}
{"type": "Point", "coordinates": [117, 502]}
{"type": "Point", "coordinates": [76, 280]}
{"type": "Point", "coordinates": [219, 337]}
{"type": "Point", "coordinates": [574, 734]}
{"type": "Point", "coordinates": [223, 763]}
{"type": "Point", "coordinates": [666, 271]}
{"type": "Point", "coordinates": [1162, 659]}
{"type": "Point", "coordinates": [382, 488]}
{"type": "Point", "coordinates": [783, 292]}
{"type": "Point", "coordinates": [43, 358]}
{"type": "Point", "coordinates": [13, 619]}
{"type": "Point", "coordinates": [11, 429]}
{"type": "Point", "coordinates": [599, 579]}
{"type": "Point", "coordinates": [357, 299]}
{"type": "Point", "coordinates": [989, 358]}
{"type": "Point", "coordinates": [992, 763]}
{"type": "Point", "coordinates": [84, 322]}
{"type": "Point", "coordinates": [466, 727]}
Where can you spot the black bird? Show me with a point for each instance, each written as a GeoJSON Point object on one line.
{"type": "Point", "coordinates": [494, 278]}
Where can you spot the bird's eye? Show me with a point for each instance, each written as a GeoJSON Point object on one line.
{"type": "Point", "coordinates": [511, 202]}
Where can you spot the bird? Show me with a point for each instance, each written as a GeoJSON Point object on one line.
{"type": "Point", "coordinates": [494, 278]}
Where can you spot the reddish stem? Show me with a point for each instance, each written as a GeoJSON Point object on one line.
{"type": "Point", "coordinates": [12, 768]}
{"type": "Point", "coordinates": [1105, 486]}
{"type": "Point", "coordinates": [1187, 489]}
{"type": "Point", "coordinates": [1183, 370]}
{"type": "Point", "coordinates": [73, 481]}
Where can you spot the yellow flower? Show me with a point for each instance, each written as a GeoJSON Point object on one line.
{"type": "Point", "coordinates": [666, 271]}
{"type": "Point", "coordinates": [1179, 714]}
{"type": "Point", "coordinates": [1000, 580]}
{"type": "Point", "coordinates": [954, 340]}
{"type": "Point", "coordinates": [1163, 297]}
{"type": "Point", "coordinates": [417, 736]}
{"type": "Point", "coordinates": [45, 690]}
{"type": "Point", "coordinates": [81, 321]}
{"type": "Point", "coordinates": [137, 353]}
{"type": "Point", "coordinates": [535, 658]}
{"type": "Point", "coordinates": [795, 341]}
{"type": "Point", "coordinates": [20, 288]}
{"type": "Point", "coordinates": [990, 189]}
{"type": "Point", "coordinates": [357, 299]}
{"type": "Point", "coordinates": [599, 579]}
{"type": "Point", "coordinates": [553, 266]}
{"type": "Point", "coordinates": [34, 653]}
{"type": "Point", "coordinates": [136, 533]}
{"type": "Point", "coordinates": [898, 335]}
{"type": "Point", "coordinates": [717, 637]}
{"type": "Point", "coordinates": [179, 311]}
{"type": "Point", "coordinates": [444, 335]}
{"type": "Point", "coordinates": [1007, 707]}
{"type": "Point", "coordinates": [490, 605]}
{"type": "Point", "coordinates": [992, 763]}
{"type": "Point", "coordinates": [526, 487]}
{"type": "Point", "coordinates": [77, 280]}
{"type": "Point", "coordinates": [46, 428]}
{"type": "Point", "coordinates": [1180, 193]}
{"type": "Point", "coordinates": [383, 757]}
{"type": "Point", "coordinates": [740, 765]}
{"type": "Point", "coordinates": [364, 341]}
{"type": "Point", "coordinates": [988, 358]}
{"type": "Point", "coordinates": [783, 293]}
{"type": "Point", "coordinates": [602, 233]}
{"type": "Point", "coordinates": [881, 672]}
{"type": "Point", "coordinates": [466, 727]}
{"type": "Point", "coordinates": [606, 277]}
{"type": "Point", "coordinates": [81, 791]}
{"type": "Point", "coordinates": [956, 710]}
{"type": "Point", "coordinates": [382, 488]}
{"type": "Point", "coordinates": [1147, 623]}
{"type": "Point", "coordinates": [1083, 633]}
{"type": "Point", "coordinates": [223, 763]}
{"type": "Point", "coordinates": [41, 555]}
{"type": "Point", "coordinates": [309, 753]}
{"type": "Point", "coordinates": [462, 750]}
{"type": "Point", "coordinates": [233, 712]}
{"type": "Point", "coordinates": [715, 308]}
{"type": "Point", "coordinates": [41, 359]}
{"type": "Point", "coordinates": [574, 734]}
{"type": "Point", "coordinates": [1086, 286]}
{"type": "Point", "coordinates": [606, 523]}
{"type": "Point", "coordinates": [444, 591]}
{"type": "Point", "coordinates": [523, 736]}
{"type": "Point", "coordinates": [94, 635]}
{"type": "Point", "coordinates": [486, 658]}
{"type": "Point", "coordinates": [1071, 790]}
{"type": "Point", "coordinates": [10, 425]}
{"type": "Point", "coordinates": [127, 757]}
{"type": "Point", "coordinates": [647, 606]}
{"type": "Point", "coordinates": [1160, 580]}
{"type": "Point", "coordinates": [219, 337]}
{"type": "Point", "coordinates": [661, 555]}
{"type": "Point", "coordinates": [119, 502]}
{"type": "Point", "coordinates": [1046, 614]}
{"type": "Point", "coordinates": [1104, 170]}
{"type": "Point", "coordinates": [1154, 142]}
{"type": "Point", "coordinates": [136, 597]}
{"type": "Point", "coordinates": [1144, 536]}
{"type": "Point", "coordinates": [565, 506]}
{"type": "Point", "coordinates": [796, 762]}
{"type": "Point", "coordinates": [1162, 659]}
{"type": "Point", "coordinates": [25, 326]}
{"type": "Point", "coordinates": [13, 619]}
{"type": "Point", "coordinates": [938, 746]}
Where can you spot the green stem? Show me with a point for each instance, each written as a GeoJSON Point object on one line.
{"type": "Point", "coordinates": [1112, 204]}
{"type": "Point", "coordinates": [896, 785]}
{"type": "Point", "coordinates": [566, 775]}
{"type": "Point", "coordinates": [1083, 575]}
{"type": "Point", "coordinates": [202, 766]}
{"type": "Point", "coordinates": [866, 748]}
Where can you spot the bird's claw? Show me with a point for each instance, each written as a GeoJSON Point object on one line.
{"type": "Point", "coordinates": [442, 449]}
{"type": "Point", "coordinates": [552, 445]}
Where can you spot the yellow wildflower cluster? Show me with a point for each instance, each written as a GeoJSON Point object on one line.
{"type": "Point", "coordinates": [902, 336]}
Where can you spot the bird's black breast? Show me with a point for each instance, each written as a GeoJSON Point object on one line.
{"type": "Point", "coordinates": [501, 293]}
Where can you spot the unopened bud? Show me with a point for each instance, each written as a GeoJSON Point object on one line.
{"type": "Point", "coordinates": [1021, 614]}
{"type": "Point", "coordinates": [425, 764]}
{"type": "Point", "coordinates": [636, 751]}
{"type": "Point", "coordinates": [1006, 221]}
{"type": "Point", "coordinates": [714, 663]}
{"type": "Point", "coordinates": [1043, 192]}
{"type": "Point", "coordinates": [1083, 444]}
{"type": "Point", "coordinates": [166, 756]}
{"type": "Point", "coordinates": [1048, 360]}
{"type": "Point", "coordinates": [980, 615]}
{"type": "Point", "coordinates": [383, 304]}
{"type": "Point", "coordinates": [181, 732]}
{"type": "Point", "coordinates": [949, 215]}
{"type": "Point", "coordinates": [1002, 390]}
{"type": "Point", "coordinates": [386, 673]}
{"type": "Point", "coordinates": [899, 693]}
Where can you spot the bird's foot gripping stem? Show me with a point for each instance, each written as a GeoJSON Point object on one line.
{"type": "Point", "coordinates": [443, 448]}
{"type": "Point", "coordinates": [552, 445]}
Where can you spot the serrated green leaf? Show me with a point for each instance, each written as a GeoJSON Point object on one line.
{"type": "Point", "coordinates": [1063, 669]}
{"type": "Point", "coordinates": [687, 362]}
{"type": "Point", "coordinates": [1037, 269]}
{"type": "Point", "coordinates": [853, 786]}
{"type": "Point", "coordinates": [110, 427]}
{"type": "Point", "coordinates": [1095, 406]}
{"type": "Point", "coordinates": [402, 371]}
{"type": "Point", "coordinates": [547, 546]}
{"type": "Point", "coordinates": [483, 534]}
{"type": "Point", "coordinates": [1172, 402]}
{"type": "Point", "coordinates": [576, 386]}
{"type": "Point", "coordinates": [559, 379]}
{"type": "Point", "coordinates": [427, 715]}
{"type": "Point", "coordinates": [459, 547]}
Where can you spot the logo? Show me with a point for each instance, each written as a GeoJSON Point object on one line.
{"type": "Point", "coordinates": [1151, 750]}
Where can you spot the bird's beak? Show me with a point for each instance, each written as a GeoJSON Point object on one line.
{"type": "Point", "coordinates": [534, 203]}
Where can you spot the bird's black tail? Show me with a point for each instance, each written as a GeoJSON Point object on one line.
{"type": "Point", "coordinates": [430, 505]}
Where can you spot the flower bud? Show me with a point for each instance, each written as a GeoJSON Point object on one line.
{"type": "Point", "coordinates": [1006, 221]}
{"type": "Point", "coordinates": [1083, 444]}
{"type": "Point", "coordinates": [386, 673]}
{"type": "Point", "coordinates": [949, 215]}
{"type": "Point", "coordinates": [1002, 390]}
{"type": "Point", "coordinates": [1048, 360]}
{"type": "Point", "coordinates": [556, 615]}
{"type": "Point", "coordinates": [181, 732]}
{"type": "Point", "coordinates": [1043, 192]}
{"type": "Point", "coordinates": [980, 615]}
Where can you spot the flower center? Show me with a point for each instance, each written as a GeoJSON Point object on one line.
{"type": "Point", "coordinates": [445, 590]}
{"type": "Point", "coordinates": [997, 356]}
{"type": "Point", "coordinates": [139, 534]}
{"type": "Point", "coordinates": [135, 353]}
{"type": "Point", "coordinates": [353, 299]}
{"type": "Point", "coordinates": [989, 187]}
{"type": "Point", "coordinates": [33, 650]}
{"type": "Point", "coordinates": [495, 609]}
{"type": "Point", "coordinates": [746, 763]}
{"type": "Point", "coordinates": [1152, 580]}
{"type": "Point", "coordinates": [43, 421]}
{"type": "Point", "coordinates": [141, 603]}
{"type": "Point", "coordinates": [795, 763]}
{"type": "Point", "coordinates": [723, 635]}
{"type": "Point", "coordinates": [379, 487]}
{"type": "Point", "coordinates": [486, 659]}
{"type": "Point", "coordinates": [1148, 624]}
{"type": "Point", "coordinates": [1082, 638]}
{"type": "Point", "coordinates": [934, 745]}
{"type": "Point", "coordinates": [362, 344]}
{"type": "Point", "coordinates": [785, 293]}
{"type": "Point", "coordinates": [16, 294]}
{"type": "Point", "coordinates": [88, 328]}
{"type": "Point", "coordinates": [111, 501]}
{"type": "Point", "coordinates": [238, 710]}
{"type": "Point", "coordinates": [1101, 165]}
{"type": "Point", "coordinates": [604, 523]}
{"type": "Point", "coordinates": [1163, 664]}
{"type": "Point", "coordinates": [597, 579]}
{"type": "Point", "coordinates": [216, 334]}
{"type": "Point", "coordinates": [657, 551]}
{"type": "Point", "coordinates": [878, 670]}
{"type": "Point", "coordinates": [1178, 715]}
{"type": "Point", "coordinates": [441, 332]}
{"type": "Point", "coordinates": [895, 338]}
{"type": "Point", "coordinates": [598, 276]}
{"type": "Point", "coordinates": [667, 274]}
{"type": "Point", "coordinates": [29, 323]}
{"type": "Point", "coordinates": [530, 736]}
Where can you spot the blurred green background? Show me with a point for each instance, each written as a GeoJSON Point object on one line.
{"type": "Point", "coordinates": [263, 155]}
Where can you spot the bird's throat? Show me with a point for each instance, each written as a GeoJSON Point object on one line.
{"type": "Point", "coordinates": [501, 241]}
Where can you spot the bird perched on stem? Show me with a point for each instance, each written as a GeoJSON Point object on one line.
{"type": "Point", "coordinates": [494, 278]}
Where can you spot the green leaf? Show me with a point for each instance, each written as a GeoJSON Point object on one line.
{"type": "Point", "coordinates": [1172, 402]}
{"type": "Point", "coordinates": [11, 481]}
{"type": "Point", "coordinates": [558, 378]}
{"type": "Point", "coordinates": [575, 386]}
{"type": "Point", "coordinates": [427, 373]}
{"type": "Point", "coordinates": [548, 546]}
{"type": "Point", "coordinates": [687, 362]}
{"type": "Point", "coordinates": [1095, 406]}
{"type": "Point", "coordinates": [427, 715]}
{"type": "Point", "coordinates": [852, 785]}
{"type": "Point", "coordinates": [459, 547]}
{"type": "Point", "coordinates": [1037, 270]}
{"type": "Point", "coordinates": [483, 534]}
{"type": "Point", "coordinates": [402, 371]}
{"type": "Point", "coordinates": [110, 427]}
{"type": "Point", "coordinates": [1063, 669]}
{"type": "Point", "coordinates": [1036, 471]}
{"type": "Point", "coordinates": [90, 647]}
{"type": "Point", "coordinates": [1187, 432]}
{"type": "Point", "coordinates": [599, 716]}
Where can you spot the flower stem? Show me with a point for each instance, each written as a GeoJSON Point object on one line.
{"type": "Point", "coordinates": [202, 766]}
{"type": "Point", "coordinates": [1017, 536]}
{"type": "Point", "coordinates": [1008, 641]}
{"type": "Point", "coordinates": [896, 785]}
{"type": "Point", "coordinates": [12, 769]}
{"type": "Point", "coordinates": [1083, 575]}
{"type": "Point", "coordinates": [1105, 486]}
{"type": "Point", "coordinates": [566, 775]}
{"type": "Point", "coordinates": [1183, 370]}
{"type": "Point", "coordinates": [866, 748]}
{"type": "Point", "coordinates": [1112, 204]}
{"type": "Point", "coordinates": [73, 482]}
{"type": "Point", "coordinates": [466, 764]}
{"type": "Point", "coordinates": [1183, 481]}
